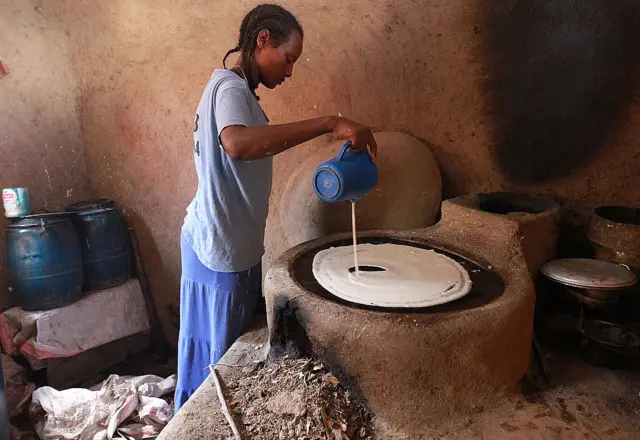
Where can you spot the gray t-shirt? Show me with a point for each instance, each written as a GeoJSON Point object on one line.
{"type": "Point", "coordinates": [225, 221]}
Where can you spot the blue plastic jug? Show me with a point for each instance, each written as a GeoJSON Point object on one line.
{"type": "Point", "coordinates": [351, 175]}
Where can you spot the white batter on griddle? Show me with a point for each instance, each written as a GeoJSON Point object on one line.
{"type": "Point", "coordinates": [414, 277]}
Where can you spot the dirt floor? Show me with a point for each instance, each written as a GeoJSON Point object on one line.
{"type": "Point", "coordinates": [586, 403]}
{"type": "Point", "coordinates": [583, 402]}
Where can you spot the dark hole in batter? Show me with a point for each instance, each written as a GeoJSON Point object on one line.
{"type": "Point", "coordinates": [449, 288]}
{"type": "Point", "coordinates": [367, 269]}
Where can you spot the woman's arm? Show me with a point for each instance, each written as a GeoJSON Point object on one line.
{"type": "Point", "coordinates": [251, 143]}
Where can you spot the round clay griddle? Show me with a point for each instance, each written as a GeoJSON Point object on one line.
{"type": "Point", "coordinates": [586, 273]}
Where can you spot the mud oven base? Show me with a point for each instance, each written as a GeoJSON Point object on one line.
{"type": "Point", "coordinates": [420, 366]}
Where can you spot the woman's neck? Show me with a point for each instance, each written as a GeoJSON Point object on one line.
{"type": "Point", "coordinates": [249, 73]}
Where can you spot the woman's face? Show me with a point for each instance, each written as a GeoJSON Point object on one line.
{"type": "Point", "coordinates": [275, 62]}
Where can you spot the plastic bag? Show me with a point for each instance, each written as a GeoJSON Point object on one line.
{"type": "Point", "coordinates": [99, 414]}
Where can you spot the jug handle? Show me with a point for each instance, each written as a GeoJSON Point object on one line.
{"type": "Point", "coordinates": [344, 149]}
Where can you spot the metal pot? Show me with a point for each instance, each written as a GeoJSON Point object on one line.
{"type": "Point", "coordinates": [608, 344]}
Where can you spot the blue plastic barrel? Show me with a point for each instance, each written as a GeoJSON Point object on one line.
{"type": "Point", "coordinates": [104, 242]}
{"type": "Point", "coordinates": [43, 261]}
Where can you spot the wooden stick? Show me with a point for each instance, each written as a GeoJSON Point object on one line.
{"type": "Point", "coordinates": [223, 404]}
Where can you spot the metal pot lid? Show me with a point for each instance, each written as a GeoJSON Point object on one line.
{"type": "Point", "coordinates": [586, 273]}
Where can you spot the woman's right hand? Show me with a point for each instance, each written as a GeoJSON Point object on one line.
{"type": "Point", "coordinates": [360, 136]}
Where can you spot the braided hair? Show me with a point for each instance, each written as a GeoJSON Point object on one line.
{"type": "Point", "coordinates": [277, 20]}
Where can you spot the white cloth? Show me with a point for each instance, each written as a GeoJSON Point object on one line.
{"type": "Point", "coordinates": [95, 320]}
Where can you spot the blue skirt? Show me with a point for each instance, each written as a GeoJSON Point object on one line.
{"type": "Point", "coordinates": [215, 308]}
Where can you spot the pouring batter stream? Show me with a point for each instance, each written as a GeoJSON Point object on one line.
{"type": "Point", "coordinates": [355, 242]}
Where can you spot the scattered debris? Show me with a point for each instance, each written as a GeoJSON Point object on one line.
{"type": "Point", "coordinates": [296, 399]}
{"type": "Point", "coordinates": [17, 393]}
{"type": "Point", "coordinates": [18, 389]}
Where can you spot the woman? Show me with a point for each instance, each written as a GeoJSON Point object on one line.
{"type": "Point", "coordinates": [222, 236]}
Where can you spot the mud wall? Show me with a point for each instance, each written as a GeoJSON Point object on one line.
{"type": "Point", "coordinates": [40, 134]}
{"type": "Point", "coordinates": [498, 92]}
